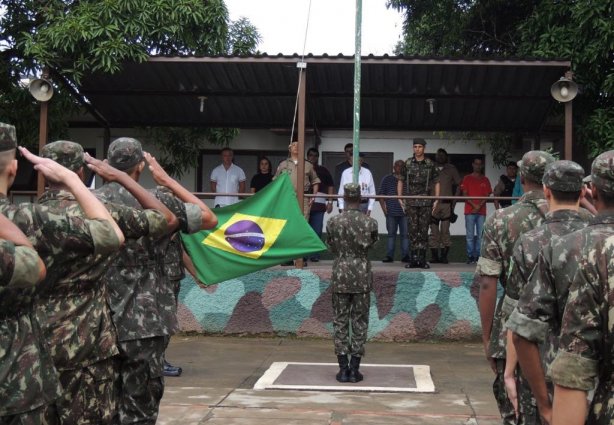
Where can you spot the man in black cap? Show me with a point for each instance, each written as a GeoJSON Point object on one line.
{"type": "Point", "coordinates": [420, 176]}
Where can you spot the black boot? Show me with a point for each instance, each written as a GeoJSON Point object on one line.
{"type": "Point", "coordinates": [435, 256]}
{"type": "Point", "coordinates": [170, 370]}
{"type": "Point", "coordinates": [444, 255]}
{"type": "Point", "coordinates": [413, 260]}
{"type": "Point", "coordinates": [344, 371]}
{"type": "Point", "coordinates": [423, 263]}
{"type": "Point", "coordinates": [355, 375]}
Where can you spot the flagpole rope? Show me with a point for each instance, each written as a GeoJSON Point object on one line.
{"type": "Point", "coordinates": [300, 74]}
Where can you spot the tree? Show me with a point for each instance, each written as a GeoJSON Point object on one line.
{"type": "Point", "coordinates": [76, 37]}
{"type": "Point", "coordinates": [581, 30]}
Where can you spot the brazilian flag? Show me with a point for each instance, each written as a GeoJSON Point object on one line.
{"type": "Point", "coordinates": [261, 231]}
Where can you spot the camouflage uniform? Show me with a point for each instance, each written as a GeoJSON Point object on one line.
{"type": "Point", "coordinates": [169, 252]}
{"type": "Point", "coordinates": [585, 347]}
{"type": "Point", "coordinates": [440, 224]}
{"type": "Point", "coordinates": [23, 361]}
{"type": "Point", "coordinates": [565, 176]}
{"type": "Point", "coordinates": [349, 236]}
{"type": "Point", "coordinates": [75, 318]}
{"type": "Point", "coordinates": [60, 240]}
{"type": "Point", "coordinates": [289, 167]}
{"type": "Point", "coordinates": [138, 297]}
{"type": "Point", "coordinates": [584, 358]}
{"type": "Point", "coordinates": [420, 176]}
{"type": "Point", "coordinates": [540, 307]}
{"type": "Point", "coordinates": [501, 230]}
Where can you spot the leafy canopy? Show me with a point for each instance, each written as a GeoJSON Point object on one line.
{"type": "Point", "coordinates": [76, 37]}
{"type": "Point", "coordinates": [581, 30]}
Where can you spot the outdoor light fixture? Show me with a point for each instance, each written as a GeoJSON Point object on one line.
{"type": "Point", "coordinates": [41, 89]}
{"type": "Point", "coordinates": [564, 90]}
{"type": "Point", "coordinates": [202, 103]}
{"type": "Point", "coordinates": [431, 103]}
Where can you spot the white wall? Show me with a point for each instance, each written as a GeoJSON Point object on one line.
{"type": "Point", "coordinates": [399, 143]}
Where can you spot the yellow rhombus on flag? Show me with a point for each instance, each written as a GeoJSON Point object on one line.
{"type": "Point", "coordinates": [264, 230]}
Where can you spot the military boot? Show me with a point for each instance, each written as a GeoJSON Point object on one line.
{"type": "Point", "coordinates": [344, 371]}
{"type": "Point", "coordinates": [355, 375]}
{"type": "Point", "coordinates": [413, 260]}
{"type": "Point", "coordinates": [423, 263]}
{"type": "Point", "coordinates": [444, 255]}
{"type": "Point", "coordinates": [435, 256]}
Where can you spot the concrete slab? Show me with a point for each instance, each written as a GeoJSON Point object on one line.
{"type": "Point", "coordinates": [321, 376]}
{"type": "Point", "coordinates": [219, 373]}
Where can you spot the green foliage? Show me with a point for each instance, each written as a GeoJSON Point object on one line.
{"type": "Point", "coordinates": [498, 144]}
{"type": "Point", "coordinates": [180, 147]}
{"type": "Point", "coordinates": [580, 30]}
{"type": "Point", "coordinates": [84, 36]}
{"type": "Point", "coordinates": [76, 37]}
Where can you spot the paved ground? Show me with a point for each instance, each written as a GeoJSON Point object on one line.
{"type": "Point", "coordinates": [219, 373]}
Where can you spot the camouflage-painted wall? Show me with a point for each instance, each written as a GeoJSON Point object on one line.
{"type": "Point", "coordinates": [405, 306]}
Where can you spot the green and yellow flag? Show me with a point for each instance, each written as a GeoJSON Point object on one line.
{"type": "Point", "coordinates": [264, 230]}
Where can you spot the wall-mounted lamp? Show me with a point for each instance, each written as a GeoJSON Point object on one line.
{"type": "Point", "coordinates": [431, 103]}
{"type": "Point", "coordinates": [564, 90]}
{"type": "Point", "coordinates": [41, 89]}
{"type": "Point", "coordinates": [202, 103]}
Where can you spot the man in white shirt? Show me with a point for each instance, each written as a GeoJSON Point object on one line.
{"type": "Point", "coordinates": [227, 178]}
{"type": "Point", "coordinates": [367, 187]}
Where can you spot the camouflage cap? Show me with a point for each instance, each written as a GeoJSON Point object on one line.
{"type": "Point", "coordinates": [602, 171]}
{"type": "Point", "coordinates": [125, 153]}
{"type": "Point", "coordinates": [66, 153]}
{"type": "Point", "coordinates": [420, 141]}
{"type": "Point", "coordinates": [533, 164]}
{"type": "Point", "coordinates": [564, 176]}
{"type": "Point", "coordinates": [351, 191]}
{"type": "Point", "coordinates": [8, 137]}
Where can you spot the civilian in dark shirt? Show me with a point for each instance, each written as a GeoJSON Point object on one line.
{"type": "Point", "coordinates": [395, 216]}
{"type": "Point", "coordinates": [320, 204]}
{"type": "Point", "coordinates": [264, 175]}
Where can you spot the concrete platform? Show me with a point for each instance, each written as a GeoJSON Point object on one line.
{"type": "Point", "coordinates": [412, 305]}
{"type": "Point", "coordinates": [220, 372]}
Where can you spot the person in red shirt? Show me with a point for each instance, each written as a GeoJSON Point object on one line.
{"type": "Point", "coordinates": [475, 184]}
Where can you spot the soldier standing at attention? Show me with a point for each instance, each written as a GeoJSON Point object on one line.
{"type": "Point", "coordinates": [60, 240]}
{"type": "Point", "coordinates": [74, 317]}
{"type": "Point", "coordinates": [349, 236]}
{"type": "Point", "coordinates": [420, 176]}
{"type": "Point", "coordinates": [581, 305]}
{"type": "Point", "coordinates": [449, 180]}
{"type": "Point", "coordinates": [563, 189]}
{"type": "Point", "coordinates": [501, 230]}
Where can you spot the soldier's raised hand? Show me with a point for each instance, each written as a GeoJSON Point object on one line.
{"type": "Point", "coordinates": [102, 168]}
{"type": "Point", "coordinates": [160, 176]}
{"type": "Point", "coordinates": [53, 172]}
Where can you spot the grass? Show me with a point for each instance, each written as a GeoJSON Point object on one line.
{"type": "Point", "coordinates": [378, 252]}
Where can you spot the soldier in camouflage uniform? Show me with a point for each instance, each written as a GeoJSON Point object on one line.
{"type": "Point", "coordinates": [20, 350]}
{"type": "Point", "coordinates": [349, 236]}
{"type": "Point", "coordinates": [501, 230]}
{"type": "Point", "coordinates": [60, 240]}
{"type": "Point", "coordinates": [421, 175]}
{"type": "Point", "coordinates": [75, 318]}
{"type": "Point", "coordinates": [193, 215]}
{"type": "Point", "coordinates": [563, 188]}
{"type": "Point", "coordinates": [138, 292]}
{"type": "Point", "coordinates": [575, 287]}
